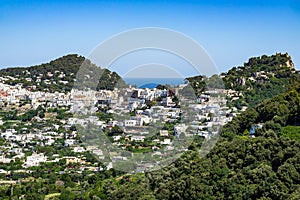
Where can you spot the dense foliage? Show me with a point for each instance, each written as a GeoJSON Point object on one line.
{"type": "Point", "coordinates": [197, 83]}
{"type": "Point", "coordinates": [280, 111]}
{"type": "Point", "coordinates": [260, 168]}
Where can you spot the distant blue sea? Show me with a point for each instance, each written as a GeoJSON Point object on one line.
{"type": "Point", "coordinates": [153, 82]}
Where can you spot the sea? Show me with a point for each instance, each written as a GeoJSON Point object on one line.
{"type": "Point", "coordinates": [153, 82]}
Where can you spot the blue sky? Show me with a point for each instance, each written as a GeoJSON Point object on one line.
{"type": "Point", "coordinates": [34, 32]}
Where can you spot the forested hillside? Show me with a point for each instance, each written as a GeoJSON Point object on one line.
{"type": "Point", "coordinates": [275, 113]}
{"type": "Point", "coordinates": [260, 78]}
{"type": "Point", "coordinates": [57, 75]}
{"type": "Point", "coordinates": [261, 168]}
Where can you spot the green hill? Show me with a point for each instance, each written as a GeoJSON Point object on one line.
{"type": "Point", "coordinates": [275, 113]}
{"type": "Point", "coordinates": [260, 78]}
{"type": "Point", "coordinates": [57, 75]}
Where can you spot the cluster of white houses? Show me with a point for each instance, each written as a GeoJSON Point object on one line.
{"type": "Point", "coordinates": [130, 108]}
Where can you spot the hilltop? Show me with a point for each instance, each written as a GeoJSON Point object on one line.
{"type": "Point", "coordinates": [56, 76]}
{"type": "Point", "coordinates": [260, 78]}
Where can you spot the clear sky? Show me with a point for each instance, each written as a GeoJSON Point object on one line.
{"type": "Point", "coordinates": [34, 32]}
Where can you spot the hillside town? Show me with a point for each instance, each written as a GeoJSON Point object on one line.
{"type": "Point", "coordinates": [63, 138]}
{"type": "Point", "coordinates": [125, 117]}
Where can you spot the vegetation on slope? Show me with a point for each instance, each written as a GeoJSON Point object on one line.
{"type": "Point", "coordinates": [58, 75]}
{"type": "Point", "coordinates": [282, 110]}
{"type": "Point", "coordinates": [261, 78]}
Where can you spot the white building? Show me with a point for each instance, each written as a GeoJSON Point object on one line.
{"type": "Point", "coordinates": [78, 149]}
{"type": "Point", "coordinates": [137, 138]}
{"type": "Point", "coordinates": [34, 160]}
{"type": "Point", "coordinates": [166, 141]}
{"type": "Point", "coordinates": [130, 122]}
{"type": "Point", "coordinates": [163, 133]}
{"type": "Point", "coordinates": [117, 137]}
